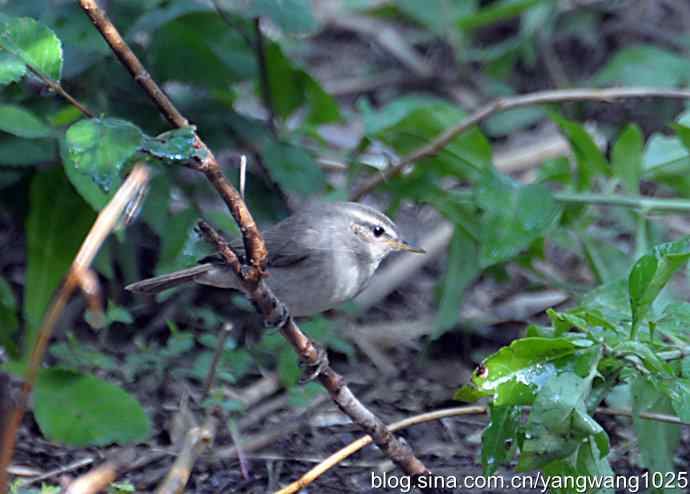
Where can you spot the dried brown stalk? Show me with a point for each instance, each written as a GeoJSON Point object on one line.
{"type": "Point", "coordinates": [196, 441]}
{"type": "Point", "coordinates": [99, 478]}
{"type": "Point", "coordinates": [104, 224]}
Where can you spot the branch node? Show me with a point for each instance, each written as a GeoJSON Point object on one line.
{"type": "Point", "coordinates": [311, 369]}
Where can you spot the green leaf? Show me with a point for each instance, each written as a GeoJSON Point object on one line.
{"type": "Point", "coordinates": [11, 68]}
{"type": "Point", "coordinates": [590, 160]}
{"type": "Point", "coordinates": [174, 145]}
{"type": "Point", "coordinates": [508, 122]}
{"type": "Point", "coordinates": [438, 15]}
{"type": "Point", "coordinates": [658, 441]}
{"type": "Point", "coordinates": [22, 123]}
{"type": "Point", "coordinates": [99, 148]}
{"type": "Point", "coordinates": [323, 108]}
{"type": "Point", "coordinates": [605, 259]}
{"type": "Point", "coordinates": [409, 122]}
{"type": "Point", "coordinates": [182, 246]}
{"type": "Point", "coordinates": [663, 153]}
{"type": "Point", "coordinates": [80, 410]}
{"type": "Point", "coordinates": [496, 12]}
{"type": "Point", "coordinates": [647, 354]}
{"type": "Point", "coordinates": [651, 273]}
{"type": "Point", "coordinates": [15, 151]}
{"type": "Point", "coordinates": [645, 65]}
{"type": "Point", "coordinates": [558, 422]}
{"type": "Point", "coordinates": [292, 88]}
{"type": "Point", "coordinates": [292, 16]}
{"type": "Point", "coordinates": [293, 168]}
{"type": "Point", "coordinates": [88, 189]}
{"type": "Point", "coordinates": [461, 270]}
{"type": "Point", "coordinates": [396, 111]}
{"type": "Point", "coordinates": [626, 158]}
{"type": "Point", "coordinates": [674, 320]}
{"type": "Point", "coordinates": [152, 20]}
{"type": "Point", "coordinates": [499, 439]}
{"type": "Point", "coordinates": [288, 367]}
{"type": "Point", "coordinates": [206, 52]}
{"type": "Point", "coordinates": [33, 44]}
{"type": "Point", "coordinates": [287, 84]}
{"type": "Point", "coordinates": [678, 390]}
{"type": "Point", "coordinates": [56, 225]}
{"type": "Point", "coordinates": [8, 317]}
{"type": "Point", "coordinates": [593, 462]}
{"type": "Point", "coordinates": [683, 132]}
{"type": "Point", "coordinates": [155, 210]}
{"type": "Point", "coordinates": [514, 373]}
{"type": "Point", "coordinates": [611, 300]}
{"type": "Point", "coordinates": [514, 216]}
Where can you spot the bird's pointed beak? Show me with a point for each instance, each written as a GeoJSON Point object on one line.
{"type": "Point", "coordinates": [402, 245]}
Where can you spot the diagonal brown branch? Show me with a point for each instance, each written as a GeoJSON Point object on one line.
{"type": "Point", "coordinates": [258, 292]}
{"type": "Point", "coordinates": [509, 103]}
{"type": "Point", "coordinates": [208, 165]}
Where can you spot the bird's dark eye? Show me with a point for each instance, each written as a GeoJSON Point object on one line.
{"type": "Point", "coordinates": [378, 231]}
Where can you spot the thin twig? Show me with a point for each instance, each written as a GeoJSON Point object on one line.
{"type": "Point", "coordinates": [659, 417]}
{"type": "Point", "coordinates": [84, 462]}
{"type": "Point", "coordinates": [635, 202]}
{"type": "Point", "coordinates": [360, 443]}
{"type": "Point", "coordinates": [220, 348]}
{"type": "Point", "coordinates": [208, 165]}
{"type": "Point", "coordinates": [196, 441]}
{"type": "Point", "coordinates": [132, 63]}
{"type": "Point", "coordinates": [250, 276]}
{"type": "Point", "coordinates": [643, 203]}
{"type": "Point", "coordinates": [266, 92]}
{"type": "Point", "coordinates": [99, 478]}
{"type": "Point", "coordinates": [57, 88]}
{"type": "Point", "coordinates": [508, 103]}
{"type": "Point", "coordinates": [238, 25]}
{"type": "Point", "coordinates": [256, 442]}
{"type": "Point", "coordinates": [104, 224]}
{"type": "Point", "coordinates": [363, 441]}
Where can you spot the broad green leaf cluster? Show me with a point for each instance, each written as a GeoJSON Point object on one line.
{"type": "Point", "coordinates": [601, 353]}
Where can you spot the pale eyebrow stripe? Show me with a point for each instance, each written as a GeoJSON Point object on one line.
{"type": "Point", "coordinates": [366, 218]}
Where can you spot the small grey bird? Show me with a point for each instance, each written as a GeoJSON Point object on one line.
{"type": "Point", "coordinates": [318, 258]}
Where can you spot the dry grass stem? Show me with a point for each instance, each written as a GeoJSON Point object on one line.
{"type": "Point", "coordinates": [105, 223]}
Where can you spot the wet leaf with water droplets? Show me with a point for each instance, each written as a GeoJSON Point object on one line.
{"type": "Point", "coordinates": [100, 148]}
{"type": "Point", "coordinates": [175, 145]}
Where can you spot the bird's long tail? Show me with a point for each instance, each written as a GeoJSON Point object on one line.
{"type": "Point", "coordinates": [163, 282]}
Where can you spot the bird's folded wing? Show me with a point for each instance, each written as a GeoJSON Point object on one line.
{"type": "Point", "coordinates": [282, 252]}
